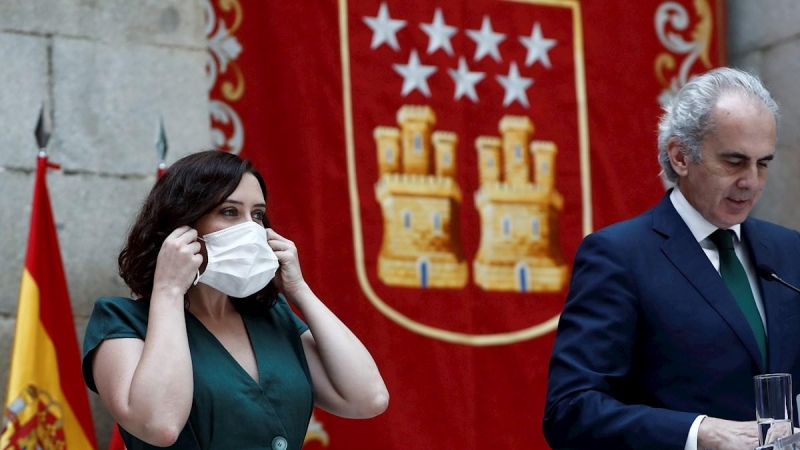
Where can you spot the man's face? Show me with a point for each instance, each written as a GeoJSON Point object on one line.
{"type": "Point", "coordinates": [727, 181]}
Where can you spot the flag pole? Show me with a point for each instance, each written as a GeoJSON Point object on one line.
{"type": "Point", "coordinates": [44, 129]}
{"type": "Point", "coordinates": [161, 148]}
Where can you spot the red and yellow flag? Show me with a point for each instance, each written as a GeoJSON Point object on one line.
{"type": "Point", "coordinates": [46, 406]}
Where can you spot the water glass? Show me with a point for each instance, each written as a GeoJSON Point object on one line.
{"type": "Point", "coordinates": [773, 406]}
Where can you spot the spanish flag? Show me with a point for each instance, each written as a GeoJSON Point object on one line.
{"type": "Point", "coordinates": [47, 405]}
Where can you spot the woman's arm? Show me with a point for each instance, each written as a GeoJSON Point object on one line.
{"type": "Point", "coordinates": [346, 379]}
{"type": "Point", "coordinates": [148, 385]}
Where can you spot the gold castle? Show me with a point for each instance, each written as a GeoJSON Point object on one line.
{"type": "Point", "coordinates": [519, 248]}
{"type": "Point", "coordinates": [518, 204]}
{"type": "Point", "coordinates": [420, 199]}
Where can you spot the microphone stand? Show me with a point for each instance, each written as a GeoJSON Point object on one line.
{"type": "Point", "coordinates": [779, 280]}
{"type": "Point", "coordinates": [768, 274]}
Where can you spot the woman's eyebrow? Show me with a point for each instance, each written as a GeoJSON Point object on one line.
{"type": "Point", "coordinates": [237, 202]}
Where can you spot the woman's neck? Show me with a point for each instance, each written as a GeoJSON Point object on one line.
{"type": "Point", "coordinates": [205, 301]}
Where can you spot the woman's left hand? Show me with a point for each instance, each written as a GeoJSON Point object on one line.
{"type": "Point", "coordinates": [289, 276]}
{"type": "Point", "coordinates": [345, 378]}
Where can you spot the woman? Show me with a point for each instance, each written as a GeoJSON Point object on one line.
{"type": "Point", "coordinates": [210, 355]}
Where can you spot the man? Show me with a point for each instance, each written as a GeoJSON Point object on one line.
{"type": "Point", "coordinates": [655, 349]}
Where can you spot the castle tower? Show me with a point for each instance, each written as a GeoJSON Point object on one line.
{"type": "Point", "coordinates": [544, 157]}
{"type": "Point", "coordinates": [387, 143]}
{"type": "Point", "coordinates": [420, 200]}
{"type": "Point", "coordinates": [444, 144]}
{"type": "Point", "coordinates": [489, 160]}
{"type": "Point", "coordinates": [519, 247]}
{"type": "Point", "coordinates": [416, 123]}
{"type": "Point", "coordinates": [516, 132]}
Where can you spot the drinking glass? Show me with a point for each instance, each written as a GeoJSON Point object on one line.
{"type": "Point", "coordinates": [773, 406]}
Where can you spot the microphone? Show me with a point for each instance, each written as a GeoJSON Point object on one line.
{"type": "Point", "coordinates": [766, 272]}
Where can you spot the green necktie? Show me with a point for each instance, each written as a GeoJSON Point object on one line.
{"type": "Point", "coordinates": [735, 278]}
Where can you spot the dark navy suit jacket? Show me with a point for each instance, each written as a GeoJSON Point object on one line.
{"type": "Point", "coordinates": [650, 336]}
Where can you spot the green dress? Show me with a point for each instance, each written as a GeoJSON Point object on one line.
{"type": "Point", "coordinates": [229, 410]}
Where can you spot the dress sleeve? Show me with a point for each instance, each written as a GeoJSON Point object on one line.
{"type": "Point", "coordinates": [112, 318]}
{"type": "Point", "coordinates": [286, 311]}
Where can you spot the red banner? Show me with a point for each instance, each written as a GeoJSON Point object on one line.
{"type": "Point", "coordinates": [437, 164]}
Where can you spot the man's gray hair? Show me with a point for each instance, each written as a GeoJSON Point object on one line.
{"type": "Point", "coordinates": [687, 117]}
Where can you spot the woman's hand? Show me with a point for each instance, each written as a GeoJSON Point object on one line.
{"type": "Point", "coordinates": [289, 276]}
{"type": "Point", "coordinates": [345, 378]}
{"type": "Point", "coordinates": [178, 261]}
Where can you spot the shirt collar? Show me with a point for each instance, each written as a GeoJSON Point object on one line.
{"type": "Point", "coordinates": [698, 225]}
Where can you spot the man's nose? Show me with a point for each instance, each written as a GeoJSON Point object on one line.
{"type": "Point", "coordinates": [749, 178]}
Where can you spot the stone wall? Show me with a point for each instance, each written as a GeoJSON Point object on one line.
{"type": "Point", "coordinates": [110, 68]}
{"type": "Point", "coordinates": [764, 38]}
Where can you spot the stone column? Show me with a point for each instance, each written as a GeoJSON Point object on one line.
{"type": "Point", "coordinates": [764, 38]}
{"type": "Point", "coordinates": [110, 68]}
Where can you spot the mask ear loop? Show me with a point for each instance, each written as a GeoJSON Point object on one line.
{"type": "Point", "coordinates": [197, 277]}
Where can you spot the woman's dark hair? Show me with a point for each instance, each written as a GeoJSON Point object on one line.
{"type": "Point", "coordinates": [190, 188]}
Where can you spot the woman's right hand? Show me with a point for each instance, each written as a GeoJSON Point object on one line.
{"type": "Point", "coordinates": [148, 384]}
{"type": "Point", "coordinates": [178, 261]}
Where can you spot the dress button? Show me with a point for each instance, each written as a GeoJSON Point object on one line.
{"type": "Point", "coordinates": [279, 443]}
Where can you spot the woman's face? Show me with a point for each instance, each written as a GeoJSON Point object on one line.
{"type": "Point", "coordinates": [244, 204]}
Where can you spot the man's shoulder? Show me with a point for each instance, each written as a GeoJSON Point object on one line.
{"type": "Point", "coordinates": [628, 228]}
{"type": "Point", "coordinates": [766, 229]}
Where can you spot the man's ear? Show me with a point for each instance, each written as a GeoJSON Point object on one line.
{"type": "Point", "coordinates": [677, 156]}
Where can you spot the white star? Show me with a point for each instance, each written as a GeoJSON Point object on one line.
{"type": "Point", "coordinates": [384, 28]}
{"type": "Point", "coordinates": [515, 86]}
{"type": "Point", "coordinates": [465, 80]}
{"type": "Point", "coordinates": [439, 33]}
{"type": "Point", "coordinates": [537, 46]}
{"type": "Point", "coordinates": [487, 40]}
{"type": "Point", "coordinates": [415, 75]}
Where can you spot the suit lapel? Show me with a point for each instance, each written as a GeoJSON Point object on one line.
{"type": "Point", "coordinates": [681, 248]}
{"type": "Point", "coordinates": [772, 294]}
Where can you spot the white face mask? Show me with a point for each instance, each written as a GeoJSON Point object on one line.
{"type": "Point", "coordinates": [240, 262]}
